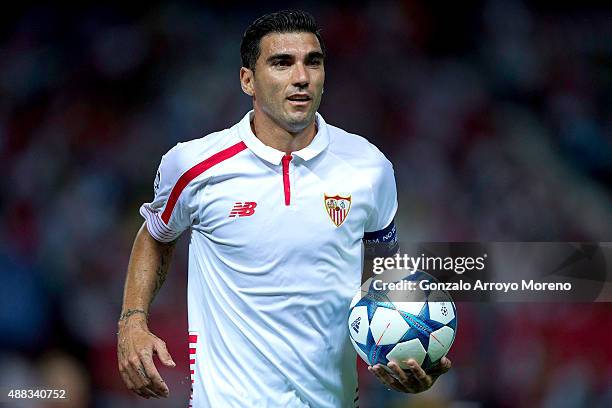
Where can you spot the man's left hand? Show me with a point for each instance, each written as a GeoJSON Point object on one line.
{"type": "Point", "coordinates": [412, 380]}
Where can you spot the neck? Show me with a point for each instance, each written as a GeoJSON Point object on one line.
{"type": "Point", "coordinates": [271, 134]}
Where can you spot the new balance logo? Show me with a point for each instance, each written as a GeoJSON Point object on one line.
{"type": "Point", "coordinates": [355, 324]}
{"type": "Point", "coordinates": [245, 209]}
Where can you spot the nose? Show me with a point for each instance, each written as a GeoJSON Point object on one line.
{"type": "Point", "coordinates": [300, 78]}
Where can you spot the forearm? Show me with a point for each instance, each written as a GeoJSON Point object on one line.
{"type": "Point", "coordinates": [146, 273]}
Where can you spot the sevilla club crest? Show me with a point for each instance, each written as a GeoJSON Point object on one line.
{"type": "Point", "coordinates": [337, 208]}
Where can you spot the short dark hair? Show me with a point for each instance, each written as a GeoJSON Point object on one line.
{"type": "Point", "coordinates": [286, 21]}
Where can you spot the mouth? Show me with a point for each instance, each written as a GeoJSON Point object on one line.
{"type": "Point", "coordinates": [299, 99]}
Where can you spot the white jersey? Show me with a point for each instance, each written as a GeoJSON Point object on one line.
{"type": "Point", "coordinates": [275, 258]}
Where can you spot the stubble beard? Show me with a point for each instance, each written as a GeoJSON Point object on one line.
{"type": "Point", "coordinates": [295, 125]}
{"type": "Point", "coordinates": [283, 117]}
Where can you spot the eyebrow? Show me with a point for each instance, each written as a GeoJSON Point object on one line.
{"type": "Point", "coordinates": [315, 55]}
{"type": "Point", "coordinates": [310, 56]}
{"type": "Point", "coordinates": [277, 57]}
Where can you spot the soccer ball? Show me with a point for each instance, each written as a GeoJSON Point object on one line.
{"type": "Point", "coordinates": [399, 324]}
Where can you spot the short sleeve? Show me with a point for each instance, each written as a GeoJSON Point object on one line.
{"type": "Point", "coordinates": [168, 215]}
{"type": "Point", "coordinates": [384, 197]}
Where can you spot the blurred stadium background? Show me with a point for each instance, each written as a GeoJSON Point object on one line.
{"type": "Point", "coordinates": [497, 116]}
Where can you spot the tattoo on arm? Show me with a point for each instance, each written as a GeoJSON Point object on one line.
{"type": "Point", "coordinates": [162, 269]}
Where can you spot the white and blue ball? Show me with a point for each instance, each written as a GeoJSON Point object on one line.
{"type": "Point", "coordinates": [392, 325]}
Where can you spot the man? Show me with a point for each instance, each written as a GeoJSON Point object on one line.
{"type": "Point", "coordinates": [278, 206]}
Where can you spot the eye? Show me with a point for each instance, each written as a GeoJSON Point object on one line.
{"type": "Point", "coordinates": [315, 63]}
{"type": "Point", "coordinates": [281, 63]}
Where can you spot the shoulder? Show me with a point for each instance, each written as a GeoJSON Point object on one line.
{"type": "Point", "coordinates": [356, 149]}
{"type": "Point", "coordinates": [186, 155]}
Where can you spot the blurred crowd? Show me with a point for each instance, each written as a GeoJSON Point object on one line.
{"type": "Point", "coordinates": [497, 117]}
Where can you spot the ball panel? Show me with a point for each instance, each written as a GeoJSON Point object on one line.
{"type": "Point", "coordinates": [381, 354]}
{"type": "Point", "coordinates": [453, 324]}
{"type": "Point", "coordinates": [441, 312]}
{"type": "Point", "coordinates": [356, 299]}
{"type": "Point", "coordinates": [413, 308]}
{"type": "Point", "coordinates": [387, 326]}
{"type": "Point", "coordinates": [440, 342]}
{"type": "Point", "coordinates": [420, 323]}
{"type": "Point", "coordinates": [413, 333]}
{"type": "Point", "coordinates": [360, 352]}
{"type": "Point", "coordinates": [406, 350]}
{"type": "Point", "coordinates": [358, 324]}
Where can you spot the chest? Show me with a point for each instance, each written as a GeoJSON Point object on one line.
{"type": "Point", "coordinates": [299, 207]}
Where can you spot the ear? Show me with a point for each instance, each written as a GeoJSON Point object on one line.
{"type": "Point", "coordinates": [246, 81]}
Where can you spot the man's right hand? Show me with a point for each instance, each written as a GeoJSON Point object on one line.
{"type": "Point", "coordinates": [135, 348]}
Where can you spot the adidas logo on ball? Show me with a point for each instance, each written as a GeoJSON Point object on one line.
{"type": "Point", "coordinates": [355, 324]}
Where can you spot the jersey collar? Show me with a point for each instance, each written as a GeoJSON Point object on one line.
{"type": "Point", "coordinates": [318, 144]}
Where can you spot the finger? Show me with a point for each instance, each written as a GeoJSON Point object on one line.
{"type": "Point", "coordinates": [133, 376]}
{"type": "Point", "coordinates": [136, 373]}
{"type": "Point", "coordinates": [400, 378]}
{"type": "Point", "coordinates": [388, 379]}
{"type": "Point", "coordinates": [400, 374]}
{"type": "Point", "coordinates": [442, 367]}
{"type": "Point", "coordinates": [123, 372]}
{"type": "Point", "coordinates": [139, 378]}
{"type": "Point", "coordinates": [163, 354]}
{"type": "Point", "coordinates": [148, 387]}
{"type": "Point", "coordinates": [157, 383]}
{"type": "Point", "coordinates": [147, 393]}
{"type": "Point", "coordinates": [136, 387]}
{"type": "Point", "coordinates": [406, 378]}
{"type": "Point", "coordinates": [127, 381]}
{"type": "Point", "coordinates": [374, 371]}
{"type": "Point", "coordinates": [420, 375]}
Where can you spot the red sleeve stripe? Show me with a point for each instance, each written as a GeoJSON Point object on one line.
{"type": "Point", "coordinates": [194, 172]}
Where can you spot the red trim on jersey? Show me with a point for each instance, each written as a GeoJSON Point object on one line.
{"type": "Point", "coordinates": [194, 172]}
{"type": "Point", "coordinates": [193, 340]}
{"type": "Point", "coordinates": [286, 183]}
